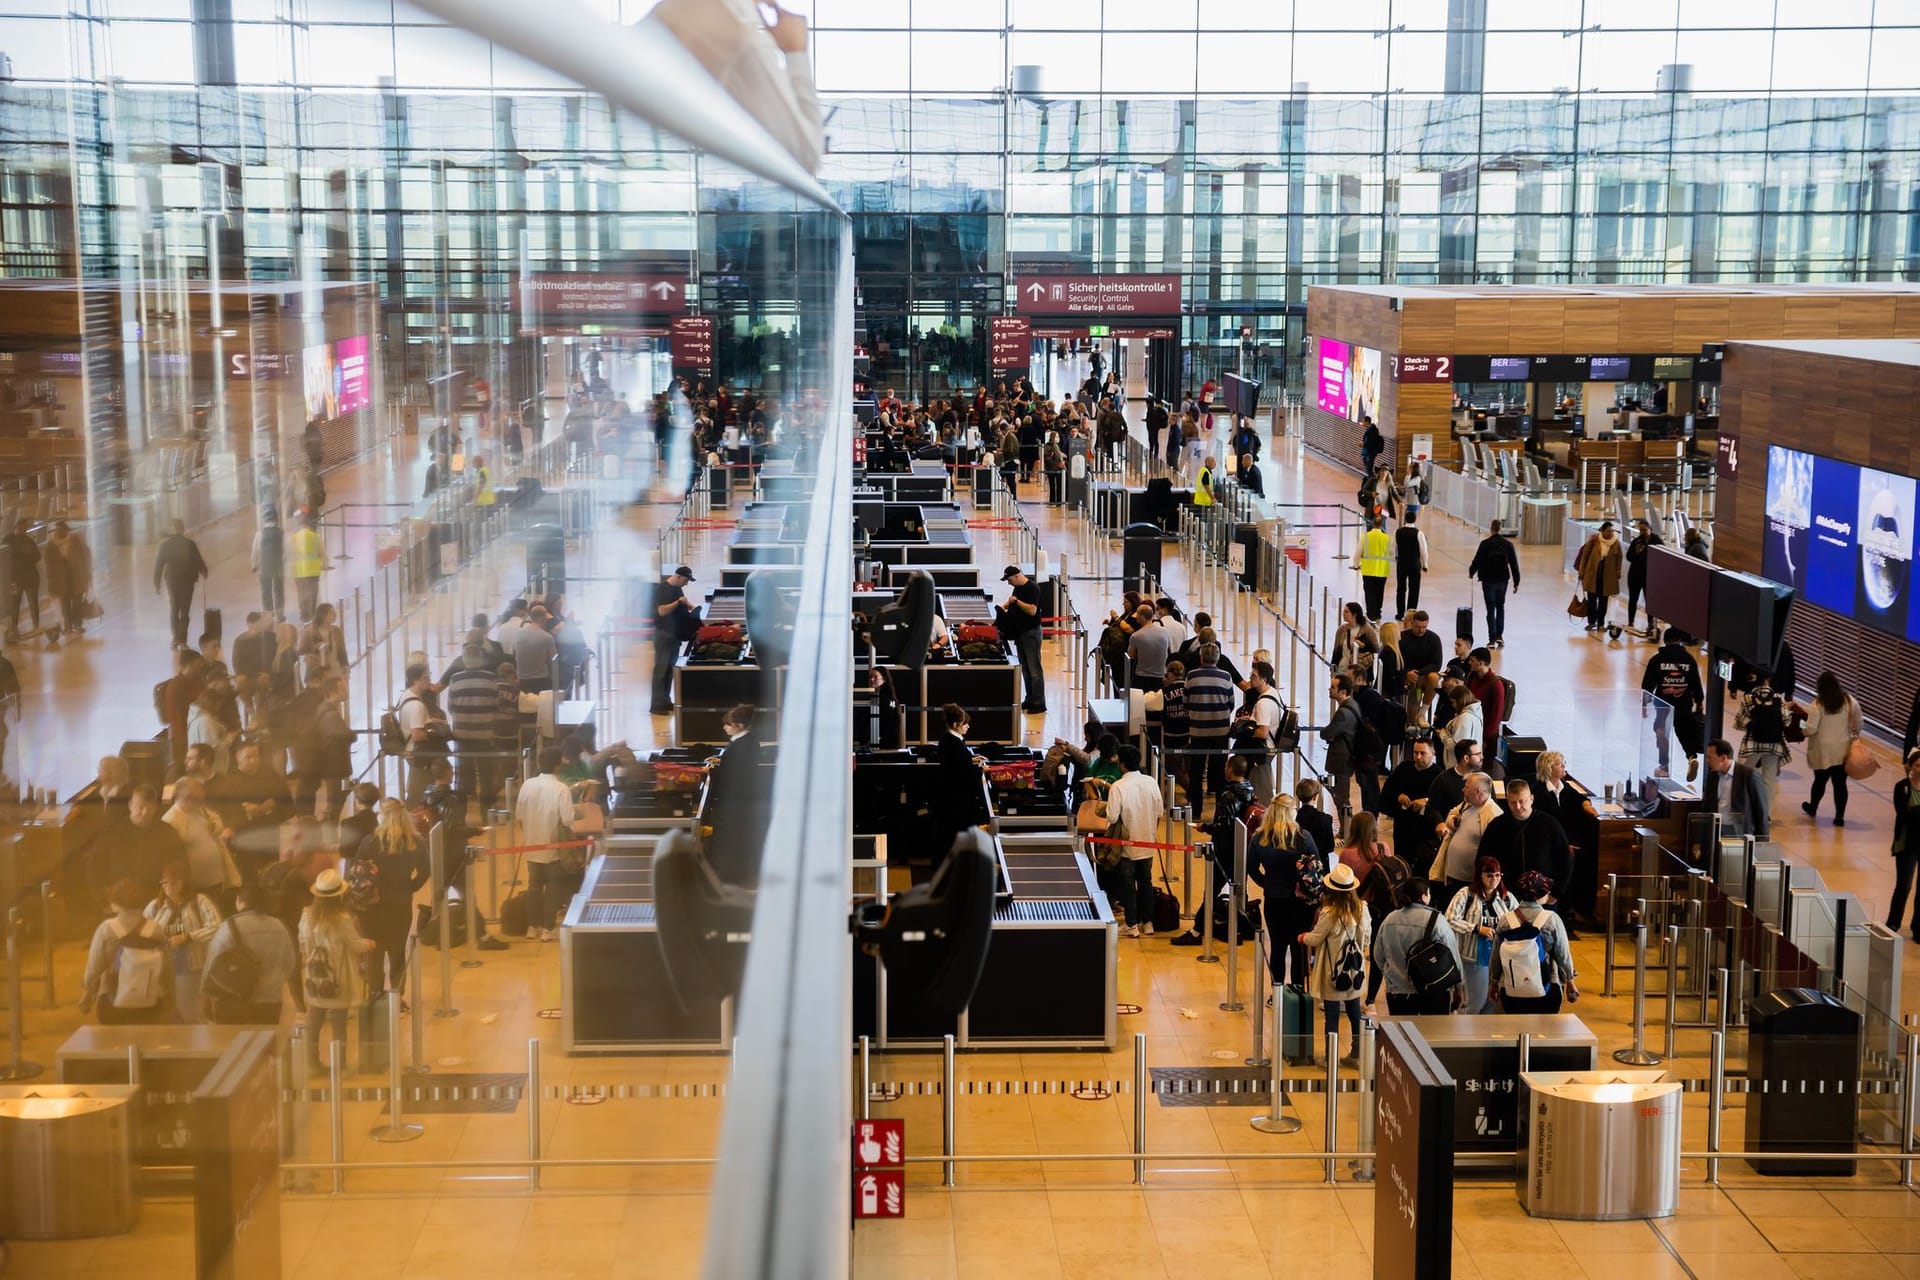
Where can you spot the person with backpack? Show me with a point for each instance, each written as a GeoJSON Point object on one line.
{"type": "Point", "coordinates": [383, 874]}
{"type": "Point", "coordinates": [1475, 914]}
{"type": "Point", "coordinates": [1341, 733]}
{"type": "Point", "coordinates": [1762, 720]}
{"type": "Point", "coordinates": [128, 979]}
{"type": "Point", "coordinates": [1415, 949]}
{"type": "Point", "coordinates": [1490, 690]}
{"type": "Point", "coordinates": [1341, 936]}
{"type": "Point", "coordinates": [1533, 964]}
{"type": "Point", "coordinates": [1261, 728]}
{"type": "Point", "coordinates": [187, 921]}
{"type": "Point", "coordinates": [1288, 866]}
{"type": "Point", "coordinates": [250, 960]}
{"type": "Point", "coordinates": [331, 951]}
{"type": "Point", "coordinates": [1409, 562]}
{"type": "Point", "coordinates": [1210, 698]}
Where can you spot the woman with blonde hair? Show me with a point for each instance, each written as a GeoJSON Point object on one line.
{"type": "Point", "coordinates": [387, 869]}
{"type": "Point", "coordinates": [1284, 861]}
{"type": "Point", "coordinates": [330, 951]}
{"type": "Point", "coordinates": [1341, 935]}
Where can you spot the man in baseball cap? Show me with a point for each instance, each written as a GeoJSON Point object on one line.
{"type": "Point", "coordinates": [684, 572]}
{"type": "Point", "coordinates": [1019, 620]}
{"type": "Point", "coordinates": [672, 612]}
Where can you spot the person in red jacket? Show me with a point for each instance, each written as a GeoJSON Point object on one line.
{"type": "Point", "coordinates": [1488, 690]}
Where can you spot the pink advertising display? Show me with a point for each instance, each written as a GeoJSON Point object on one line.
{"type": "Point", "coordinates": [1330, 363]}
{"type": "Point", "coordinates": [350, 374]}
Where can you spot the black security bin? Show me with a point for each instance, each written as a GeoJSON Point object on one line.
{"type": "Point", "coordinates": [1140, 546]}
{"type": "Point", "coordinates": [1248, 536]}
{"type": "Point", "coordinates": [546, 558]}
{"type": "Point", "coordinates": [1803, 1080]}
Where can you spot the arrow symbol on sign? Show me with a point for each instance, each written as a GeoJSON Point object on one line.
{"type": "Point", "coordinates": [1035, 290]}
{"type": "Point", "coordinates": [663, 290]}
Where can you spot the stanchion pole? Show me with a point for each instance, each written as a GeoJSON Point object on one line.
{"type": "Point", "coordinates": [1142, 1086]}
{"type": "Point", "coordinates": [17, 1068]}
{"type": "Point", "coordinates": [337, 1111]}
{"type": "Point", "coordinates": [299, 1076]}
{"type": "Point", "coordinates": [866, 1078]}
{"type": "Point", "coordinates": [416, 984]}
{"type": "Point", "coordinates": [1184, 815]}
{"type": "Point", "coordinates": [1606, 969]}
{"type": "Point", "coordinates": [1673, 986]}
{"type": "Point", "coordinates": [1637, 1055]}
{"type": "Point", "coordinates": [533, 1113]}
{"type": "Point", "coordinates": [1208, 900]}
{"type": "Point", "coordinates": [1716, 1093]}
{"type": "Point", "coordinates": [1333, 1099]}
{"type": "Point", "coordinates": [1232, 1003]}
{"type": "Point", "coordinates": [46, 941]}
{"type": "Point", "coordinates": [473, 960]}
{"type": "Point", "coordinates": [947, 1086]}
{"type": "Point", "coordinates": [1262, 992]}
{"type": "Point", "coordinates": [1363, 1168]}
{"type": "Point", "coordinates": [397, 1128]}
{"type": "Point", "coordinates": [437, 857]}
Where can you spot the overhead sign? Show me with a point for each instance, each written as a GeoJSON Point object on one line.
{"type": "Point", "coordinates": [1115, 296]}
{"type": "Point", "coordinates": [1422, 368]}
{"type": "Point", "coordinates": [690, 346]}
{"type": "Point", "coordinates": [574, 298]}
{"type": "Point", "coordinates": [1010, 343]}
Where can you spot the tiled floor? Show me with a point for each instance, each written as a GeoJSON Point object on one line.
{"type": "Point", "coordinates": [1221, 1214]}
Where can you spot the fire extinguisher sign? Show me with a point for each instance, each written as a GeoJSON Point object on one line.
{"type": "Point", "coordinates": [879, 1172]}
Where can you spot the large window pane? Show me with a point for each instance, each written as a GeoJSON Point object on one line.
{"type": "Point", "coordinates": [930, 15]}
{"type": "Point", "coordinates": [1725, 13]}
{"type": "Point", "coordinates": [1530, 61]}
{"type": "Point", "coordinates": [1068, 63]}
{"type": "Point", "coordinates": [152, 51]}
{"type": "Point", "coordinates": [1839, 13]}
{"type": "Point", "coordinates": [38, 47]}
{"type": "Point", "coordinates": [1727, 60]}
{"type": "Point", "coordinates": [1624, 15]}
{"type": "Point", "coordinates": [1417, 63]}
{"type": "Point", "coordinates": [1896, 59]}
{"type": "Point", "coordinates": [1239, 15]}
{"type": "Point", "coordinates": [1151, 15]}
{"type": "Point", "coordinates": [1624, 61]}
{"type": "Point", "coordinates": [1533, 15]}
{"type": "Point", "coordinates": [1246, 63]}
{"type": "Point", "coordinates": [441, 57]}
{"type": "Point", "coordinates": [870, 61]}
{"type": "Point", "coordinates": [1341, 63]}
{"type": "Point", "coordinates": [1056, 15]}
{"type": "Point", "coordinates": [1137, 62]}
{"type": "Point", "coordinates": [958, 62]}
{"type": "Point", "coordinates": [1349, 15]}
{"type": "Point", "coordinates": [1835, 60]}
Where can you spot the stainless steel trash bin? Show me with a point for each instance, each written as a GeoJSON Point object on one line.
{"type": "Point", "coordinates": [66, 1161]}
{"type": "Point", "coordinates": [1600, 1146]}
{"type": "Point", "coordinates": [1542, 520]}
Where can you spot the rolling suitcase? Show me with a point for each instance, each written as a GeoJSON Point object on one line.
{"type": "Point", "coordinates": [210, 624]}
{"type": "Point", "coordinates": [373, 1032]}
{"type": "Point", "coordinates": [1296, 1025]}
{"type": "Point", "coordinates": [1463, 624]}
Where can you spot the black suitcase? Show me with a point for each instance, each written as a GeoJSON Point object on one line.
{"type": "Point", "coordinates": [373, 1032]}
{"type": "Point", "coordinates": [1463, 624]}
{"type": "Point", "coordinates": [210, 624]}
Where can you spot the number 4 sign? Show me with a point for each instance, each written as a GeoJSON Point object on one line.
{"type": "Point", "coordinates": [879, 1142]}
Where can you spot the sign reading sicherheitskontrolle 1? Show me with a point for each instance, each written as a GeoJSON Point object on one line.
{"type": "Point", "coordinates": [1115, 296]}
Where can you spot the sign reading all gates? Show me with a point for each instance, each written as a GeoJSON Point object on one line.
{"type": "Point", "coordinates": [690, 346]}
{"type": "Point", "coordinates": [879, 1169]}
{"type": "Point", "coordinates": [1010, 343]}
{"type": "Point", "coordinates": [1116, 296]}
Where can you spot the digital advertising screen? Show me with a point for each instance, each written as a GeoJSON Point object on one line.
{"type": "Point", "coordinates": [1884, 534]}
{"type": "Point", "coordinates": [1363, 383]}
{"type": "Point", "coordinates": [316, 375]}
{"type": "Point", "coordinates": [1509, 368]}
{"type": "Point", "coordinates": [350, 383]}
{"type": "Point", "coordinates": [1608, 368]}
{"type": "Point", "coordinates": [1330, 377]}
{"type": "Point", "coordinates": [1831, 545]}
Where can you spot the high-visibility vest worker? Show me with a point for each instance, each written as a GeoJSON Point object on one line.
{"type": "Point", "coordinates": [1203, 487]}
{"type": "Point", "coordinates": [482, 484]}
{"type": "Point", "coordinates": [309, 555]}
{"type": "Point", "coordinates": [1376, 552]}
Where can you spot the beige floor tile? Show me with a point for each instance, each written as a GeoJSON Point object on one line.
{"type": "Point", "coordinates": [1713, 1235]}
{"type": "Point", "coordinates": [1828, 1233]}
{"type": "Point", "coordinates": [1875, 1204]}
{"type": "Point", "coordinates": [1736, 1265]}
{"type": "Point", "coordinates": [1608, 1237]}
{"type": "Point", "coordinates": [904, 1237]}
{"type": "Point", "coordinates": [984, 1238]}
{"type": "Point", "coordinates": [1799, 1204]}
{"type": "Point", "coordinates": [1840, 1266]}
{"type": "Point", "coordinates": [1889, 1235]}
{"type": "Point", "coordinates": [1184, 1237]}
{"type": "Point", "coordinates": [1636, 1266]}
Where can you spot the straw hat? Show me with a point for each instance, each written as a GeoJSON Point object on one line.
{"type": "Point", "coordinates": [328, 884]}
{"type": "Point", "coordinates": [1341, 877]}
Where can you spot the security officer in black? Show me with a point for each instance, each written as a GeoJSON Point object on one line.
{"type": "Point", "coordinates": [1673, 676]}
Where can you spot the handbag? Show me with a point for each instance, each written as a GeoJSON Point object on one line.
{"type": "Point", "coordinates": [1091, 818]}
{"type": "Point", "coordinates": [1577, 607]}
{"type": "Point", "coordinates": [1860, 762]}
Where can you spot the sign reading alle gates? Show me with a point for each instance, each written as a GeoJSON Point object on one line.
{"type": "Point", "coordinates": [879, 1169]}
{"type": "Point", "coordinates": [569, 299]}
{"type": "Point", "coordinates": [1010, 343]}
{"type": "Point", "coordinates": [690, 346]}
{"type": "Point", "coordinates": [1116, 296]}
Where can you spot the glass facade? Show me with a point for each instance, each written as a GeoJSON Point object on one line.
{"type": "Point", "coordinates": [1254, 149]}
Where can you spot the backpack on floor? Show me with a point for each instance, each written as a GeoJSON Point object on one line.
{"type": "Point", "coordinates": [140, 969]}
{"type": "Point", "coordinates": [1523, 957]}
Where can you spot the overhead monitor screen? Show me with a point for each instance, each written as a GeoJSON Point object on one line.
{"type": "Point", "coordinates": [1509, 368]}
{"type": "Point", "coordinates": [1672, 368]}
{"type": "Point", "coordinates": [1608, 368]}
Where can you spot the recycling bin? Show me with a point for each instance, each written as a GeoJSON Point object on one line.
{"type": "Point", "coordinates": [547, 558]}
{"type": "Point", "coordinates": [66, 1161]}
{"type": "Point", "coordinates": [1541, 520]}
{"type": "Point", "coordinates": [1140, 548]}
{"type": "Point", "coordinates": [1599, 1146]}
{"type": "Point", "coordinates": [1803, 1081]}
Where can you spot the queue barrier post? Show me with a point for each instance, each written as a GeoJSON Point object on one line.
{"type": "Point", "coordinates": [336, 1110]}
{"type": "Point", "coordinates": [1232, 1003]}
{"type": "Point", "coordinates": [416, 984]}
{"type": "Point", "coordinates": [1142, 1086]}
{"type": "Point", "coordinates": [1333, 1096]}
{"type": "Point", "coordinates": [533, 1113]}
{"type": "Point", "coordinates": [17, 1066]}
{"type": "Point", "coordinates": [1637, 1055]}
{"type": "Point", "coordinates": [1275, 1120]}
{"type": "Point", "coordinates": [397, 1128]}
{"type": "Point", "coordinates": [947, 1085]}
{"type": "Point", "coordinates": [1606, 969]}
{"type": "Point", "coordinates": [1208, 898]}
{"type": "Point", "coordinates": [46, 941]}
{"type": "Point", "coordinates": [472, 905]}
{"type": "Point", "coordinates": [1716, 1092]}
{"type": "Point", "coordinates": [1363, 1167]}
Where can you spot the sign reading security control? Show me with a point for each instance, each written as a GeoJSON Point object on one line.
{"type": "Point", "coordinates": [1116, 295]}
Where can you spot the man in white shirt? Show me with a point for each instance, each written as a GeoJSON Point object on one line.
{"type": "Point", "coordinates": [516, 619]}
{"type": "Point", "coordinates": [545, 813]}
{"type": "Point", "coordinates": [414, 714]}
{"type": "Point", "coordinates": [1133, 808]}
{"type": "Point", "coordinates": [1169, 620]}
{"type": "Point", "coordinates": [1464, 828]}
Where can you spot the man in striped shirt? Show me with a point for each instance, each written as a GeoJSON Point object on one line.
{"type": "Point", "coordinates": [1211, 696]}
{"type": "Point", "coordinates": [472, 699]}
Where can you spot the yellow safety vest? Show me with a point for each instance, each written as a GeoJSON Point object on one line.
{"type": "Point", "coordinates": [309, 556]}
{"type": "Point", "coordinates": [484, 495]}
{"type": "Point", "coordinates": [1203, 489]}
{"type": "Point", "coordinates": [1376, 553]}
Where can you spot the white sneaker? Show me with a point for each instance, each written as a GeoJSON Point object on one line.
{"type": "Point", "coordinates": [546, 935]}
{"type": "Point", "coordinates": [1129, 931]}
{"type": "Point", "coordinates": [1146, 931]}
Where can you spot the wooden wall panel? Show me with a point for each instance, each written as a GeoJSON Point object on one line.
{"type": "Point", "coordinates": [1483, 326]}
{"type": "Point", "coordinates": [1699, 320]}
{"type": "Point", "coordinates": [1426, 327]}
{"type": "Point", "coordinates": [1646, 324]}
{"type": "Point", "coordinates": [1536, 324]}
{"type": "Point", "coordinates": [1867, 317]}
{"type": "Point", "coordinates": [1756, 316]}
{"type": "Point", "coordinates": [1906, 317]}
{"type": "Point", "coordinates": [1816, 317]}
{"type": "Point", "coordinates": [1591, 326]}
